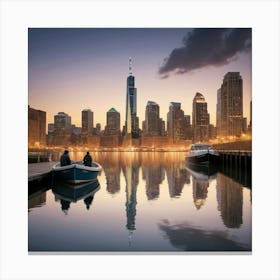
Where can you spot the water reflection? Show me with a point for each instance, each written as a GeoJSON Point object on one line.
{"type": "Point", "coordinates": [154, 176]}
{"type": "Point", "coordinates": [177, 177]}
{"type": "Point", "coordinates": [135, 209]}
{"type": "Point", "coordinates": [230, 201]}
{"type": "Point", "coordinates": [131, 174]}
{"type": "Point", "coordinates": [154, 166]}
{"type": "Point", "coordinates": [110, 163]}
{"type": "Point", "coordinates": [67, 194]}
{"type": "Point", "coordinates": [37, 199]}
{"type": "Point", "coordinates": [201, 177]}
{"type": "Point", "coordinates": [190, 238]}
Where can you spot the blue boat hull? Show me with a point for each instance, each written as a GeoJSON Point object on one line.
{"type": "Point", "coordinates": [76, 173]}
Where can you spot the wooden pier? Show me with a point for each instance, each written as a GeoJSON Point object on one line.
{"type": "Point", "coordinates": [236, 159]}
{"type": "Point", "coordinates": [237, 165]}
{"type": "Point", "coordinates": [39, 170]}
{"type": "Point", "coordinates": [39, 176]}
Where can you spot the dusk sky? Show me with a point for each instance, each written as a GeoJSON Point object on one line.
{"type": "Point", "coordinates": [73, 69]}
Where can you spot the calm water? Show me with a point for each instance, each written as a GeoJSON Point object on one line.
{"type": "Point", "coordinates": [144, 202]}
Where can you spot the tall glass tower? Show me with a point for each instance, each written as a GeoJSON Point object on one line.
{"type": "Point", "coordinates": [231, 105]}
{"type": "Point", "coordinates": [131, 119]}
{"type": "Point", "coordinates": [152, 120]}
{"type": "Point", "coordinates": [200, 118]}
{"type": "Point", "coordinates": [87, 121]}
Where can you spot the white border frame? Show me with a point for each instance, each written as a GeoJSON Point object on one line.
{"type": "Point", "coordinates": [17, 16]}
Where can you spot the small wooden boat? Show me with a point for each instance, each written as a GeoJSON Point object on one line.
{"type": "Point", "coordinates": [76, 172]}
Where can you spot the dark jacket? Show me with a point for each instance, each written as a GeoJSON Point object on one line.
{"type": "Point", "coordinates": [65, 160]}
{"type": "Point", "coordinates": [87, 160]}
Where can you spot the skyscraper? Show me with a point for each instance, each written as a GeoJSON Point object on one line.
{"type": "Point", "coordinates": [152, 120]}
{"type": "Point", "coordinates": [62, 123]}
{"type": "Point", "coordinates": [231, 116]}
{"type": "Point", "coordinates": [62, 129]}
{"type": "Point", "coordinates": [87, 121]}
{"type": "Point", "coordinates": [200, 118]}
{"type": "Point", "coordinates": [188, 127]}
{"type": "Point", "coordinates": [113, 122]}
{"type": "Point", "coordinates": [36, 127]}
{"type": "Point", "coordinates": [131, 119]}
{"type": "Point", "coordinates": [175, 121]}
{"type": "Point", "coordinates": [218, 111]}
{"type": "Point", "coordinates": [250, 123]}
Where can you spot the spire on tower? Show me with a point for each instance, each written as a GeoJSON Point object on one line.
{"type": "Point", "coordinates": [130, 66]}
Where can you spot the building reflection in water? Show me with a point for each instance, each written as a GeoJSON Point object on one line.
{"type": "Point", "coordinates": [154, 165]}
{"type": "Point", "coordinates": [230, 201]}
{"type": "Point", "coordinates": [110, 163]}
{"type": "Point", "coordinates": [177, 177]}
{"type": "Point", "coordinates": [200, 190]}
{"type": "Point", "coordinates": [154, 176]}
{"type": "Point", "coordinates": [152, 173]}
{"type": "Point", "coordinates": [201, 178]}
{"type": "Point", "coordinates": [131, 174]}
{"type": "Point", "coordinates": [112, 175]}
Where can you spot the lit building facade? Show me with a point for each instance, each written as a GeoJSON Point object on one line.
{"type": "Point", "coordinates": [188, 127]}
{"type": "Point", "coordinates": [219, 111]}
{"type": "Point", "coordinates": [36, 128]}
{"type": "Point", "coordinates": [131, 119]}
{"type": "Point", "coordinates": [97, 129]}
{"type": "Point", "coordinates": [50, 127]}
{"type": "Point", "coordinates": [112, 122]}
{"type": "Point", "coordinates": [162, 127]}
{"type": "Point", "coordinates": [62, 123]}
{"type": "Point", "coordinates": [250, 122]}
{"type": "Point", "coordinates": [87, 121]}
{"type": "Point", "coordinates": [152, 120]}
{"type": "Point", "coordinates": [231, 110]}
{"type": "Point", "coordinates": [244, 125]}
{"type": "Point", "coordinates": [62, 129]}
{"type": "Point", "coordinates": [200, 118]}
{"type": "Point", "coordinates": [175, 122]}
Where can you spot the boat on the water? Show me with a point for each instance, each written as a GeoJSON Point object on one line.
{"type": "Point", "coordinates": [202, 154]}
{"type": "Point", "coordinates": [76, 172]}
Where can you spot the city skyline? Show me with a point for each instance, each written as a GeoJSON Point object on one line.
{"type": "Point", "coordinates": [75, 69]}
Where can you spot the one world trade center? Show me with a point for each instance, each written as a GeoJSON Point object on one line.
{"type": "Point", "coordinates": [131, 119]}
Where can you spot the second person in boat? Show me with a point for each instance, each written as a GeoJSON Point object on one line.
{"type": "Point", "coordinates": [87, 159]}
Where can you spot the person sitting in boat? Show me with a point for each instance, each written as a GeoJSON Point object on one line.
{"type": "Point", "coordinates": [87, 159]}
{"type": "Point", "coordinates": [65, 159]}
